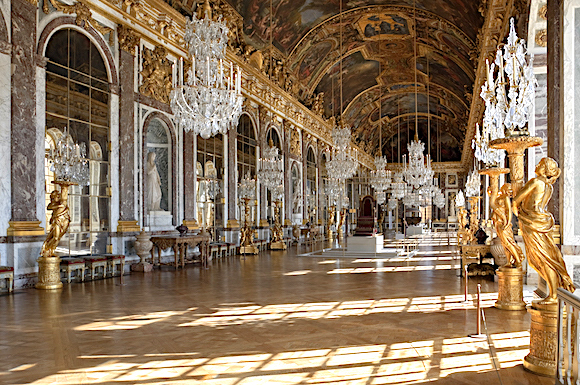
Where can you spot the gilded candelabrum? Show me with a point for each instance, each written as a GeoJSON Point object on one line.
{"type": "Point", "coordinates": [341, 223]}
{"type": "Point", "coordinates": [473, 216]}
{"type": "Point", "coordinates": [510, 276]}
{"type": "Point", "coordinates": [277, 231]}
{"type": "Point", "coordinates": [537, 224]}
{"type": "Point", "coordinates": [49, 262]}
{"type": "Point", "coordinates": [331, 215]}
{"type": "Point", "coordinates": [463, 235]}
{"type": "Point", "coordinates": [247, 233]}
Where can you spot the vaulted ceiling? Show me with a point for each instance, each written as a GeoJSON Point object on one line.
{"type": "Point", "coordinates": [379, 36]}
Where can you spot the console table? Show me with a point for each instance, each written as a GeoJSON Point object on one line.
{"type": "Point", "coordinates": [179, 245]}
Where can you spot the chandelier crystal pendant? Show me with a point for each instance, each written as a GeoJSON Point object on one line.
{"type": "Point", "coordinates": [68, 160]}
{"type": "Point", "coordinates": [210, 100]}
{"type": "Point", "coordinates": [439, 199]}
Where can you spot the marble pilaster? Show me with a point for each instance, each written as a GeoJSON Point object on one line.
{"type": "Point", "coordinates": [23, 117]}
{"type": "Point", "coordinates": [555, 108]}
{"type": "Point", "coordinates": [232, 176]}
{"type": "Point", "coordinates": [189, 177]}
{"type": "Point", "coordinates": [126, 138]}
{"type": "Point", "coordinates": [287, 172]}
{"type": "Point", "coordinates": [5, 146]}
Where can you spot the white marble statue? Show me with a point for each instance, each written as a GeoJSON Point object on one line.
{"type": "Point", "coordinates": [153, 184]}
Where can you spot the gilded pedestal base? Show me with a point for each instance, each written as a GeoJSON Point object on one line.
{"type": "Point", "coordinates": [128, 227]}
{"type": "Point", "coordinates": [24, 228]}
{"type": "Point", "coordinates": [49, 273]}
{"type": "Point", "coordinates": [279, 245]}
{"type": "Point", "coordinates": [543, 340]}
{"type": "Point", "coordinates": [248, 250]}
{"type": "Point", "coordinates": [511, 289]}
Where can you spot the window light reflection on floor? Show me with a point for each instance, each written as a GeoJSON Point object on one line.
{"type": "Point", "coordinates": [397, 363]}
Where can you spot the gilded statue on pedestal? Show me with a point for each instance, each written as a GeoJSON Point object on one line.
{"type": "Point", "coordinates": [59, 221]}
{"type": "Point", "coordinates": [502, 220]}
{"type": "Point", "coordinates": [463, 235]}
{"type": "Point", "coordinates": [537, 224]}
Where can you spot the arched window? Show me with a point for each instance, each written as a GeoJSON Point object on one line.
{"type": "Point", "coordinates": [158, 142]}
{"type": "Point", "coordinates": [246, 148]}
{"type": "Point", "coordinates": [209, 172]}
{"type": "Point", "coordinates": [273, 135]}
{"type": "Point", "coordinates": [77, 97]}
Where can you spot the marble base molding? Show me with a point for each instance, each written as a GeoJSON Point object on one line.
{"type": "Point", "coordinates": [24, 228]}
{"type": "Point", "coordinates": [543, 339]}
{"type": "Point", "coordinates": [128, 227]}
{"type": "Point", "coordinates": [511, 289]}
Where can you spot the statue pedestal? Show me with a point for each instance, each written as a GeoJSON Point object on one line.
{"type": "Point", "coordinates": [142, 267]}
{"type": "Point", "coordinates": [511, 289]}
{"type": "Point", "coordinates": [248, 249]}
{"type": "Point", "coordinates": [160, 220]}
{"type": "Point", "coordinates": [49, 273]}
{"type": "Point", "coordinates": [365, 244]}
{"type": "Point", "coordinates": [543, 339]}
{"type": "Point", "coordinates": [279, 245]}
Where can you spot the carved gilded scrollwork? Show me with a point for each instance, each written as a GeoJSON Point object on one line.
{"type": "Point", "coordinates": [128, 39]}
{"type": "Point", "coordinates": [156, 74]}
{"type": "Point", "coordinates": [81, 10]}
{"type": "Point", "coordinates": [295, 147]}
{"type": "Point", "coordinates": [542, 38]}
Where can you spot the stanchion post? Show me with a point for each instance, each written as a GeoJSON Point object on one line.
{"type": "Point", "coordinates": [466, 282]}
{"type": "Point", "coordinates": [478, 335]}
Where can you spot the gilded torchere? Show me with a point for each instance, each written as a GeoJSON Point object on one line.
{"type": "Point", "coordinates": [463, 235]}
{"type": "Point", "coordinates": [277, 231]}
{"type": "Point", "coordinates": [247, 233]}
{"type": "Point", "coordinates": [331, 214]}
{"type": "Point", "coordinates": [543, 255]}
{"type": "Point", "coordinates": [49, 263]}
{"type": "Point", "coordinates": [510, 276]}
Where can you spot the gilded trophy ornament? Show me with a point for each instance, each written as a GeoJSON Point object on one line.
{"type": "Point", "coordinates": [156, 74]}
{"type": "Point", "coordinates": [277, 230]}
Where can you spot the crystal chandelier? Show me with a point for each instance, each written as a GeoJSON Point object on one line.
{"type": "Point", "coordinates": [473, 184]}
{"type": "Point", "coordinates": [381, 197]}
{"type": "Point", "coordinates": [342, 165]}
{"type": "Point", "coordinates": [460, 199]}
{"type": "Point", "coordinates": [332, 189]}
{"type": "Point", "coordinates": [381, 178]}
{"type": "Point", "coordinates": [392, 203]}
{"type": "Point", "coordinates": [398, 186]}
{"type": "Point", "coordinates": [509, 98]}
{"type": "Point", "coordinates": [210, 101]}
{"type": "Point", "coordinates": [68, 160]}
{"type": "Point", "coordinates": [417, 171]}
{"type": "Point", "coordinates": [247, 188]}
{"type": "Point", "coordinates": [439, 199]}
{"type": "Point", "coordinates": [278, 192]}
{"type": "Point", "coordinates": [271, 168]}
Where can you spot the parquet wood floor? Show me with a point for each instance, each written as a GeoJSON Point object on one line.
{"type": "Point", "coordinates": [275, 318]}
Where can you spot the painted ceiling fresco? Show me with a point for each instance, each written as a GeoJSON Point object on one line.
{"type": "Point", "coordinates": [376, 35]}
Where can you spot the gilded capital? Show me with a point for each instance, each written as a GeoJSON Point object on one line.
{"type": "Point", "coordinates": [128, 39]}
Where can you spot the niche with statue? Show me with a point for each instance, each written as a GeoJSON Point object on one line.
{"type": "Point", "coordinates": [157, 171]}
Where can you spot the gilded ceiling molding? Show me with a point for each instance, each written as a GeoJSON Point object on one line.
{"type": "Point", "coordinates": [128, 39]}
{"type": "Point", "coordinates": [84, 17]}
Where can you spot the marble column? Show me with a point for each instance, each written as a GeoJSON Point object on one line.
{"type": "Point", "coordinates": [189, 160]}
{"type": "Point", "coordinates": [287, 129]}
{"type": "Point", "coordinates": [555, 108]}
{"type": "Point", "coordinates": [24, 216]}
{"type": "Point", "coordinates": [232, 178]}
{"type": "Point", "coordinates": [305, 213]}
{"type": "Point", "coordinates": [127, 217]}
